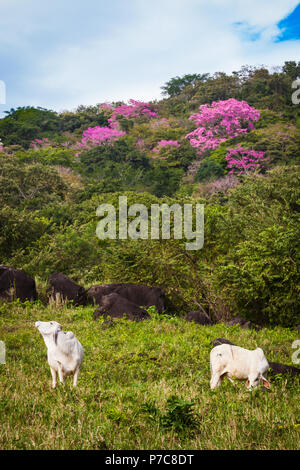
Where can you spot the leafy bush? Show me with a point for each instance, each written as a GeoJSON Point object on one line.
{"type": "Point", "coordinates": [120, 151]}
{"type": "Point", "coordinates": [19, 231]}
{"type": "Point", "coordinates": [218, 155]}
{"type": "Point", "coordinates": [179, 414]}
{"type": "Point", "coordinates": [48, 156]}
{"type": "Point", "coordinates": [30, 186]}
{"type": "Point", "coordinates": [22, 125]}
{"type": "Point", "coordinates": [280, 142]}
{"type": "Point", "coordinates": [73, 251]}
{"type": "Point", "coordinates": [258, 271]}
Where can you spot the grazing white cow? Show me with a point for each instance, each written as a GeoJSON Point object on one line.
{"type": "Point", "coordinates": [239, 363]}
{"type": "Point", "coordinates": [65, 353]}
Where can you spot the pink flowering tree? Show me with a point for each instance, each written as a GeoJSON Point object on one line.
{"type": "Point", "coordinates": [223, 184]}
{"type": "Point", "coordinates": [99, 135]}
{"type": "Point", "coordinates": [94, 136]}
{"type": "Point", "coordinates": [105, 107]}
{"type": "Point", "coordinates": [165, 144]}
{"type": "Point", "coordinates": [131, 110]}
{"type": "Point", "coordinates": [159, 123]}
{"type": "Point", "coordinates": [140, 144]}
{"type": "Point", "coordinates": [241, 160]}
{"type": "Point", "coordinates": [220, 121]}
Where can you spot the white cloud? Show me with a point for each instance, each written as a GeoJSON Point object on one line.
{"type": "Point", "coordinates": [161, 39]}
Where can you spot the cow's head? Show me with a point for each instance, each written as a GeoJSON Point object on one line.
{"type": "Point", "coordinates": [48, 328]}
{"type": "Point", "coordinates": [259, 379]}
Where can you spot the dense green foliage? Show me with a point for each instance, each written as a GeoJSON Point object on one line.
{"type": "Point", "coordinates": [49, 193]}
{"type": "Point", "coordinates": [177, 84]}
{"type": "Point", "coordinates": [209, 169]}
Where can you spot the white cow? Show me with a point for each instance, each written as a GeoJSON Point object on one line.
{"type": "Point", "coordinates": [239, 363]}
{"type": "Point", "coordinates": [65, 353]}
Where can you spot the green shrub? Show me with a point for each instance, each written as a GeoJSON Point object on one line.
{"type": "Point", "coordinates": [48, 156]}
{"type": "Point", "coordinates": [208, 170]}
{"type": "Point", "coordinates": [258, 269]}
{"type": "Point", "coordinates": [218, 155]}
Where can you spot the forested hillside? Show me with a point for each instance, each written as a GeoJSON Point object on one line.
{"type": "Point", "coordinates": [230, 142]}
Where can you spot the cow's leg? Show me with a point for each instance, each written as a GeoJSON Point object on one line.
{"type": "Point", "coordinates": [53, 373]}
{"type": "Point", "coordinates": [216, 380]}
{"type": "Point", "coordinates": [60, 373]}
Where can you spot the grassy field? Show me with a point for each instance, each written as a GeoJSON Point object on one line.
{"type": "Point", "coordinates": [158, 398]}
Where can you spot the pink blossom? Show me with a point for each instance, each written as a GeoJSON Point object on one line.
{"type": "Point", "coordinates": [157, 123]}
{"type": "Point", "coordinates": [166, 143]}
{"type": "Point", "coordinates": [220, 121]}
{"type": "Point", "coordinates": [223, 184]}
{"type": "Point", "coordinates": [131, 110]}
{"type": "Point", "coordinates": [242, 160]}
{"type": "Point", "coordinates": [94, 136]}
{"type": "Point", "coordinates": [99, 134]}
{"type": "Point", "coordinates": [36, 144]}
{"type": "Point", "coordinates": [140, 144]}
{"type": "Point", "coordinates": [105, 106]}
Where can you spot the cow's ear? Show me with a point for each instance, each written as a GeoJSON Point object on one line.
{"type": "Point", "coordinates": [55, 335]}
{"type": "Point", "coordinates": [266, 383]}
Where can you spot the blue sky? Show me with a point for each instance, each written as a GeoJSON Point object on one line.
{"type": "Point", "coordinates": [290, 26]}
{"type": "Point", "coordinates": [59, 54]}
